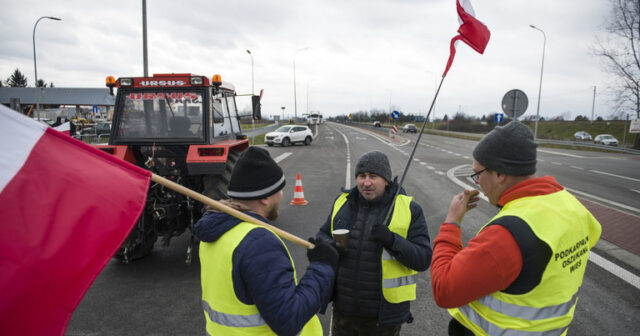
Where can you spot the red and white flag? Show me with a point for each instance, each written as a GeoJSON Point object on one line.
{"type": "Point", "coordinates": [471, 31]}
{"type": "Point", "coordinates": [65, 208]}
{"type": "Point", "coordinates": [64, 128]}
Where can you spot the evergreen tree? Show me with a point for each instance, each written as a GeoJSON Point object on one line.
{"type": "Point", "coordinates": [17, 79]}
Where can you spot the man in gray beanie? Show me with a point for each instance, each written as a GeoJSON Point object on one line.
{"type": "Point", "coordinates": [524, 264]}
{"type": "Point", "coordinates": [377, 276]}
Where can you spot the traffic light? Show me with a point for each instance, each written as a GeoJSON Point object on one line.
{"type": "Point", "coordinates": [255, 103]}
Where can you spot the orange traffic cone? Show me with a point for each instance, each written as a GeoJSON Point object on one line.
{"type": "Point", "coordinates": [298, 195]}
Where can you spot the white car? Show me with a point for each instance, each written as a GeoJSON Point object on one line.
{"type": "Point", "coordinates": [606, 139]}
{"type": "Point", "coordinates": [289, 134]}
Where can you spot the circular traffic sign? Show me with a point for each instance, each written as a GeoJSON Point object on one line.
{"type": "Point", "coordinates": [395, 115]}
{"type": "Point", "coordinates": [514, 103]}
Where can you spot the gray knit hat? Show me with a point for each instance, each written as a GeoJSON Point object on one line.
{"type": "Point", "coordinates": [374, 162]}
{"type": "Point", "coordinates": [508, 149]}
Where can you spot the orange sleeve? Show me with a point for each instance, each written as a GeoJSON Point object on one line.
{"type": "Point", "coordinates": [491, 262]}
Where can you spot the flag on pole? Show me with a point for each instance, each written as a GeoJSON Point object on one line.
{"type": "Point", "coordinates": [65, 208]}
{"type": "Point", "coordinates": [471, 31]}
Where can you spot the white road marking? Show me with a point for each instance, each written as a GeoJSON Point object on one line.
{"type": "Point", "coordinates": [614, 175]}
{"type": "Point", "coordinates": [423, 163]}
{"type": "Point", "coordinates": [558, 153]}
{"type": "Point", "coordinates": [347, 181]}
{"type": "Point", "coordinates": [282, 157]}
{"type": "Point", "coordinates": [593, 257]}
{"type": "Point", "coordinates": [439, 172]}
{"type": "Point", "coordinates": [616, 270]}
{"type": "Point", "coordinates": [578, 168]}
{"type": "Point", "coordinates": [638, 191]}
{"type": "Point", "coordinates": [430, 167]}
{"type": "Point", "coordinates": [603, 200]}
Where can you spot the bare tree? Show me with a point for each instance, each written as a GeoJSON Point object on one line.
{"type": "Point", "coordinates": [621, 52]}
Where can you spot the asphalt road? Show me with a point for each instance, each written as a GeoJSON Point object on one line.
{"type": "Point", "coordinates": [160, 295]}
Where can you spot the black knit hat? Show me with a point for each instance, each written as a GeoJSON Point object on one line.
{"type": "Point", "coordinates": [255, 176]}
{"type": "Point", "coordinates": [508, 149]}
{"type": "Point", "coordinates": [374, 162]}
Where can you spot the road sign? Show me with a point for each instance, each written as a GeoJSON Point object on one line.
{"type": "Point", "coordinates": [514, 103]}
{"type": "Point", "coordinates": [498, 117]}
{"type": "Point", "coordinates": [635, 126]}
{"type": "Point", "coordinates": [394, 129]}
{"type": "Point", "coordinates": [95, 109]}
{"type": "Point", "coordinates": [395, 115]}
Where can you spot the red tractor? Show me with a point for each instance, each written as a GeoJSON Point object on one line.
{"type": "Point", "coordinates": [182, 127]}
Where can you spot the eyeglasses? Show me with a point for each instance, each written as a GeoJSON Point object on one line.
{"type": "Point", "coordinates": [475, 176]}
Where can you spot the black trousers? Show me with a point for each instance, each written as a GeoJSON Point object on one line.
{"type": "Point", "coordinates": [344, 325]}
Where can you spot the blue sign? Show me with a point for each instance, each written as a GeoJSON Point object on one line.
{"type": "Point", "coordinates": [95, 109]}
{"type": "Point", "coordinates": [498, 117]}
{"type": "Point", "coordinates": [395, 115]}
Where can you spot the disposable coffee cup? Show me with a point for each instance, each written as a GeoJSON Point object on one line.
{"type": "Point", "coordinates": [341, 236]}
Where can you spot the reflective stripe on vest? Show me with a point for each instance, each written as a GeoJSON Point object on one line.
{"type": "Point", "coordinates": [224, 313]}
{"type": "Point", "coordinates": [493, 330]}
{"type": "Point", "coordinates": [398, 281]}
{"type": "Point", "coordinates": [563, 223]}
{"type": "Point", "coordinates": [229, 320]}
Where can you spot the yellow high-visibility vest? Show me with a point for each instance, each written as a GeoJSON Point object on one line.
{"type": "Point", "coordinates": [224, 312]}
{"type": "Point", "coordinates": [398, 280]}
{"type": "Point", "coordinates": [570, 230]}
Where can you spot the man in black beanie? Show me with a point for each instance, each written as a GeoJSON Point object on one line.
{"type": "Point", "coordinates": [377, 277]}
{"type": "Point", "coordinates": [249, 283]}
{"type": "Point", "coordinates": [522, 271]}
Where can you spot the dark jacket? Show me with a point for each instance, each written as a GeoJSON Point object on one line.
{"type": "Point", "coordinates": [263, 275]}
{"type": "Point", "coordinates": [358, 286]}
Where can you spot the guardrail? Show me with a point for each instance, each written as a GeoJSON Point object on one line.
{"type": "Point", "coordinates": [476, 136]}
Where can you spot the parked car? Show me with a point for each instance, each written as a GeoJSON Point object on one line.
{"type": "Point", "coordinates": [582, 136]}
{"type": "Point", "coordinates": [409, 128]}
{"type": "Point", "coordinates": [103, 128]}
{"type": "Point", "coordinates": [606, 139]}
{"type": "Point", "coordinates": [289, 134]}
{"type": "Point", "coordinates": [376, 124]}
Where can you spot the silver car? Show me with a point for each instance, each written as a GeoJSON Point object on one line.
{"type": "Point", "coordinates": [606, 139]}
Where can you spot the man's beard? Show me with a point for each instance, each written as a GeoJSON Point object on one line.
{"type": "Point", "coordinates": [273, 212]}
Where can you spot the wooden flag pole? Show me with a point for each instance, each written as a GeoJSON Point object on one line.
{"type": "Point", "coordinates": [226, 209]}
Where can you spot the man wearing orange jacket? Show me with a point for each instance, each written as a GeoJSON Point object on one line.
{"type": "Point", "coordinates": [521, 273]}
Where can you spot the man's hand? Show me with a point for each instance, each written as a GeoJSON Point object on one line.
{"type": "Point", "coordinates": [382, 234]}
{"type": "Point", "coordinates": [325, 253]}
{"type": "Point", "coordinates": [460, 204]}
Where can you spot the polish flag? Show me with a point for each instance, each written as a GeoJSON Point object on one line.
{"type": "Point", "coordinates": [64, 128]}
{"type": "Point", "coordinates": [471, 31]}
{"type": "Point", "coordinates": [65, 208]}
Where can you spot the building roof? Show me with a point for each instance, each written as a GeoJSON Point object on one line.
{"type": "Point", "coordinates": [57, 96]}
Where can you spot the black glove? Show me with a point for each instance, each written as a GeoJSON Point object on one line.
{"type": "Point", "coordinates": [324, 252]}
{"type": "Point", "coordinates": [383, 235]}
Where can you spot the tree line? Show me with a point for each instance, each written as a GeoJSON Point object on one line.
{"type": "Point", "coordinates": [17, 79]}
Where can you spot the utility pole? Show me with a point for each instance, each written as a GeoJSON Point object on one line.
{"type": "Point", "coordinates": [144, 38]}
{"type": "Point", "coordinates": [593, 103]}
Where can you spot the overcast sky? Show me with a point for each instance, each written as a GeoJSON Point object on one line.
{"type": "Point", "coordinates": [362, 54]}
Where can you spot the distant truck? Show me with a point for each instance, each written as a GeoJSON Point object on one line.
{"type": "Point", "coordinates": [314, 119]}
{"type": "Point", "coordinates": [183, 127]}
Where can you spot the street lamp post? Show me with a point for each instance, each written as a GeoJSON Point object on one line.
{"type": "Point", "coordinates": [295, 99]}
{"type": "Point", "coordinates": [252, 91]}
{"type": "Point", "coordinates": [252, 78]}
{"type": "Point", "coordinates": [544, 43]}
{"type": "Point", "coordinates": [35, 66]}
